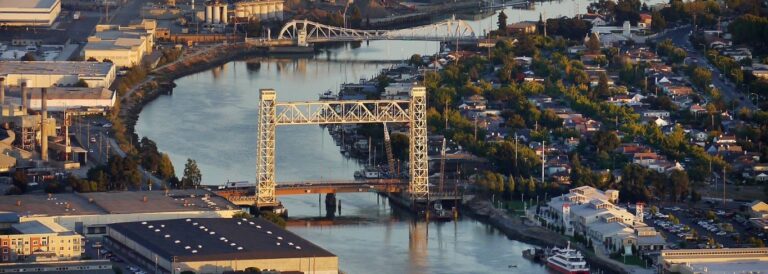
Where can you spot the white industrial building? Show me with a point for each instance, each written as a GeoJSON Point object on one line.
{"type": "Point", "coordinates": [264, 10]}
{"type": "Point", "coordinates": [29, 12]}
{"type": "Point", "coordinates": [43, 74]}
{"type": "Point", "coordinates": [124, 46]}
{"type": "Point", "coordinates": [593, 213]}
{"type": "Point", "coordinates": [61, 98]}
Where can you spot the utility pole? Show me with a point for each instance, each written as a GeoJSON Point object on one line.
{"type": "Point", "coordinates": [543, 159]}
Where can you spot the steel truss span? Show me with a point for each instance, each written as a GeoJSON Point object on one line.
{"type": "Point", "coordinates": [448, 30]}
{"type": "Point", "coordinates": [272, 114]}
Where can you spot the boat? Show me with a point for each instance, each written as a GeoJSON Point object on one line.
{"type": "Point", "coordinates": [438, 213]}
{"type": "Point", "coordinates": [567, 261]}
{"type": "Point", "coordinates": [327, 95]}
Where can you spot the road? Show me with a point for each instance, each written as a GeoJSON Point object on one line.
{"type": "Point", "coordinates": [679, 37]}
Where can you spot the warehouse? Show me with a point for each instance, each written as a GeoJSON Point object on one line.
{"type": "Point", "coordinates": [61, 98]}
{"type": "Point", "coordinates": [89, 213]}
{"type": "Point", "coordinates": [29, 12]}
{"type": "Point", "coordinates": [215, 245]}
{"type": "Point", "coordinates": [43, 74]}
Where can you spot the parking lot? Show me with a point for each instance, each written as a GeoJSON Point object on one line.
{"type": "Point", "coordinates": [97, 250]}
{"type": "Point", "coordinates": [702, 227]}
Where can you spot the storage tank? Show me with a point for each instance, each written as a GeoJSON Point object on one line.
{"type": "Point", "coordinates": [225, 14]}
{"type": "Point", "coordinates": [279, 11]}
{"type": "Point", "coordinates": [216, 13]}
{"type": "Point", "coordinates": [208, 13]}
{"type": "Point", "coordinates": [263, 12]}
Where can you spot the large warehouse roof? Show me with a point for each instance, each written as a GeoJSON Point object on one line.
{"type": "Point", "coordinates": [210, 239]}
{"type": "Point", "coordinates": [27, 4]}
{"type": "Point", "coordinates": [123, 202]}
{"type": "Point", "coordinates": [55, 68]}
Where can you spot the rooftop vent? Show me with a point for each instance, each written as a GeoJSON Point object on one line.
{"type": "Point", "coordinates": [239, 223]}
{"type": "Point", "coordinates": [202, 227]}
{"type": "Point", "coordinates": [143, 223]}
{"type": "Point", "coordinates": [298, 247]}
{"type": "Point", "coordinates": [250, 223]}
{"type": "Point", "coordinates": [290, 243]}
{"type": "Point", "coordinates": [239, 248]}
{"type": "Point", "coordinates": [167, 236]}
{"type": "Point", "coordinates": [199, 246]}
{"type": "Point", "coordinates": [162, 225]}
{"type": "Point", "coordinates": [194, 251]}
{"type": "Point", "coordinates": [157, 230]}
{"type": "Point", "coordinates": [222, 238]}
{"type": "Point", "coordinates": [244, 219]}
{"type": "Point", "coordinates": [258, 226]}
{"type": "Point", "coordinates": [189, 220]}
{"type": "Point", "coordinates": [232, 244]}
{"type": "Point", "coordinates": [279, 238]}
{"type": "Point", "coordinates": [212, 233]}
{"type": "Point", "coordinates": [176, 241]}
{"type": "Point", "coordinates": [187, 247]}
{"type": "Point", "coordinates": [194, 223]}
{"type": "Point", "coordinates": [269, 232]}
{"type": "Point", "coordinates": [150, 226]}
{"type": "Point", "coordinates": [278, 243]}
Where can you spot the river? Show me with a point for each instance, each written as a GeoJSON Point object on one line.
{"type": "Point", "coordinates": [211, 117]}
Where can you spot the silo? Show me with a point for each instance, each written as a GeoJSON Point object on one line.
{"type": "Point", "coordinates": [272, 11]}
{"type": "Point", "coordinates": [224, 14]}
{"type": "Point", "coordinates": [263, 12]}
{"type": "Point", "coordinates": [279, 11]}
{"type": "Point", "coordinates": [216, 14]}
{"type": "Point", "coordinates": [208, 12]}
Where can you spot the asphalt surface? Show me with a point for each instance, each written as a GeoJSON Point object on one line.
{"type": "Point", "coordinates": [680, 37]}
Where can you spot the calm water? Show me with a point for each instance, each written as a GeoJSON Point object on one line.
{"type": "Point", "coordinates": [211, 117]}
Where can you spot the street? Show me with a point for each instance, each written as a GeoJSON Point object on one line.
{"type": "Point", "coordinates": [679, 37]}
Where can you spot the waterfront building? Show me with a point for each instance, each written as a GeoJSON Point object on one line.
{"type": "Point", "coordinates": [44, 74]}
{"type": "Point", "coordinates": [724, 260]}
{"type": "Point", "coordinates": [38, 240]}
{"type": "Point", "coordinates": [124, 46]}
{"type": "Point", "coordinates": [29, 12]}
{"type": "Point", "coordinates": [592, 213]}
{"type": "Point", "coordinates": [57, 267]}
{"type": "Point", "coordinates": [206, 245]}
{"type": "Point", "coordinates": [89, 213]}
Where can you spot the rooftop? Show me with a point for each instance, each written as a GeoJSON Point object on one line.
{"type": "Point", "coordinates": [40, 227]}
{"type": "Point", "coordinates": [207, 239]}
{"type": "Point", "coordinates": [27, 4]}
{"type": "Point", "coordinates": [123, 202]}
{"type": "Point", "coordinates": [55, 68]}
{"type": "Point", "coordinates": [72, 93]}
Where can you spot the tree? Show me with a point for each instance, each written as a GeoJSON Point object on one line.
{"type": "Point", "coordinates": [679, 181]}
{"type": "Point", "coordinates": [593, 44]}
{"type": "Point", "coordinates": [242, 214]}
{"type": "Point", "coordinates": [28, 57]}
{"type": "Point", "coordinates": [356, 19]}
{"type": "Point", "coordinates": [701, 77]}
{"type": "Point", "coordinates": [658, 23]}
{"type": "Point", "coordinates": [107, 60]}
{"type": "Point", "coordinates": [502, 23]}
{"type": "Point", "coordinates": [415, 60]}
{"type": "Point", "coordinates": [192, 176]}
{"type": "Point", "coordinates": [92, 59]}
{"type": "Point", "coordinates": [165, 167]}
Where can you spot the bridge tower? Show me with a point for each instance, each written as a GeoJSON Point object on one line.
{"type": "Point", "coordinates": [273, 114]}
{"type": "Point", "coordinates": [419, 186]}
{"type": "Point", "coordinates": [265, 149]}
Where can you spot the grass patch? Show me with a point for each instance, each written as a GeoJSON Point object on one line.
{"type": "Point", "coordinates": [630, 260]}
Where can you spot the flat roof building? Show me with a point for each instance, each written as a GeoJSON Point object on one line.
{"type": "Point", "coordinates": [43, 74]}
{"type": "Point", "coordinates": [714, 261]}
{"type": "Point", "coordinates": [61, 98]}
{"type": "Point", "coordinates": [39, 240]}
{"type": "Point", "coordinates": [208, 245]}
{"type": "Point", "coordinates": [29, 12]}
{"type": "Point", "coordinates": [89, 213]}
{"type": "Point", "coordinates": [124, 46]}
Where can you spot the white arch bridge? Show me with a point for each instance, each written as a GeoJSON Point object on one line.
{"type": "Point", "coordinates": [304, 31]}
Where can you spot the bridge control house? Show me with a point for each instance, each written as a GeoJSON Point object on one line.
{"type": "Point", "coordinates": [214, 245]}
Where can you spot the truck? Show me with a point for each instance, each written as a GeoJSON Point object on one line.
{"type": "Point", "coordinates": [76, 15]}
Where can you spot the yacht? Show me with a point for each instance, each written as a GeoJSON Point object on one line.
{"type": "Point", "coordinates": [567, 261]}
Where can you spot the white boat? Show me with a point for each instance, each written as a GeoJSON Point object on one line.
{"type": "Point", "coordinates": [567, 261]}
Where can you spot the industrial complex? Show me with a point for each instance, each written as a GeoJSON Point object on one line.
{"type": "Point", "coordinates": [207, 245]}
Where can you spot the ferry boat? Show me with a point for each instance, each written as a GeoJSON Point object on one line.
{"type": "Point", "coordinates": [567, 261]}
{"type": "Point", "coordinates": [327, 95]}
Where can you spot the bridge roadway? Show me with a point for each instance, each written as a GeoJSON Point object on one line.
{"type": "Point", "coordinates": [246, 196]}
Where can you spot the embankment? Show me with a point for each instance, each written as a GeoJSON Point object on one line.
{"type": "Point", "coordinates": [524, 230]}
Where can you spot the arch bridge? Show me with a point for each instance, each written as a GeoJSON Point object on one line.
{"type": "Point", "coordinates": [304, 31]}
{"type": "Point", "coordinates": [273, 114]}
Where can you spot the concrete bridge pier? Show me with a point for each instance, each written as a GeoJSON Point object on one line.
{"type": "Point", "coordinates": [330, 205]}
